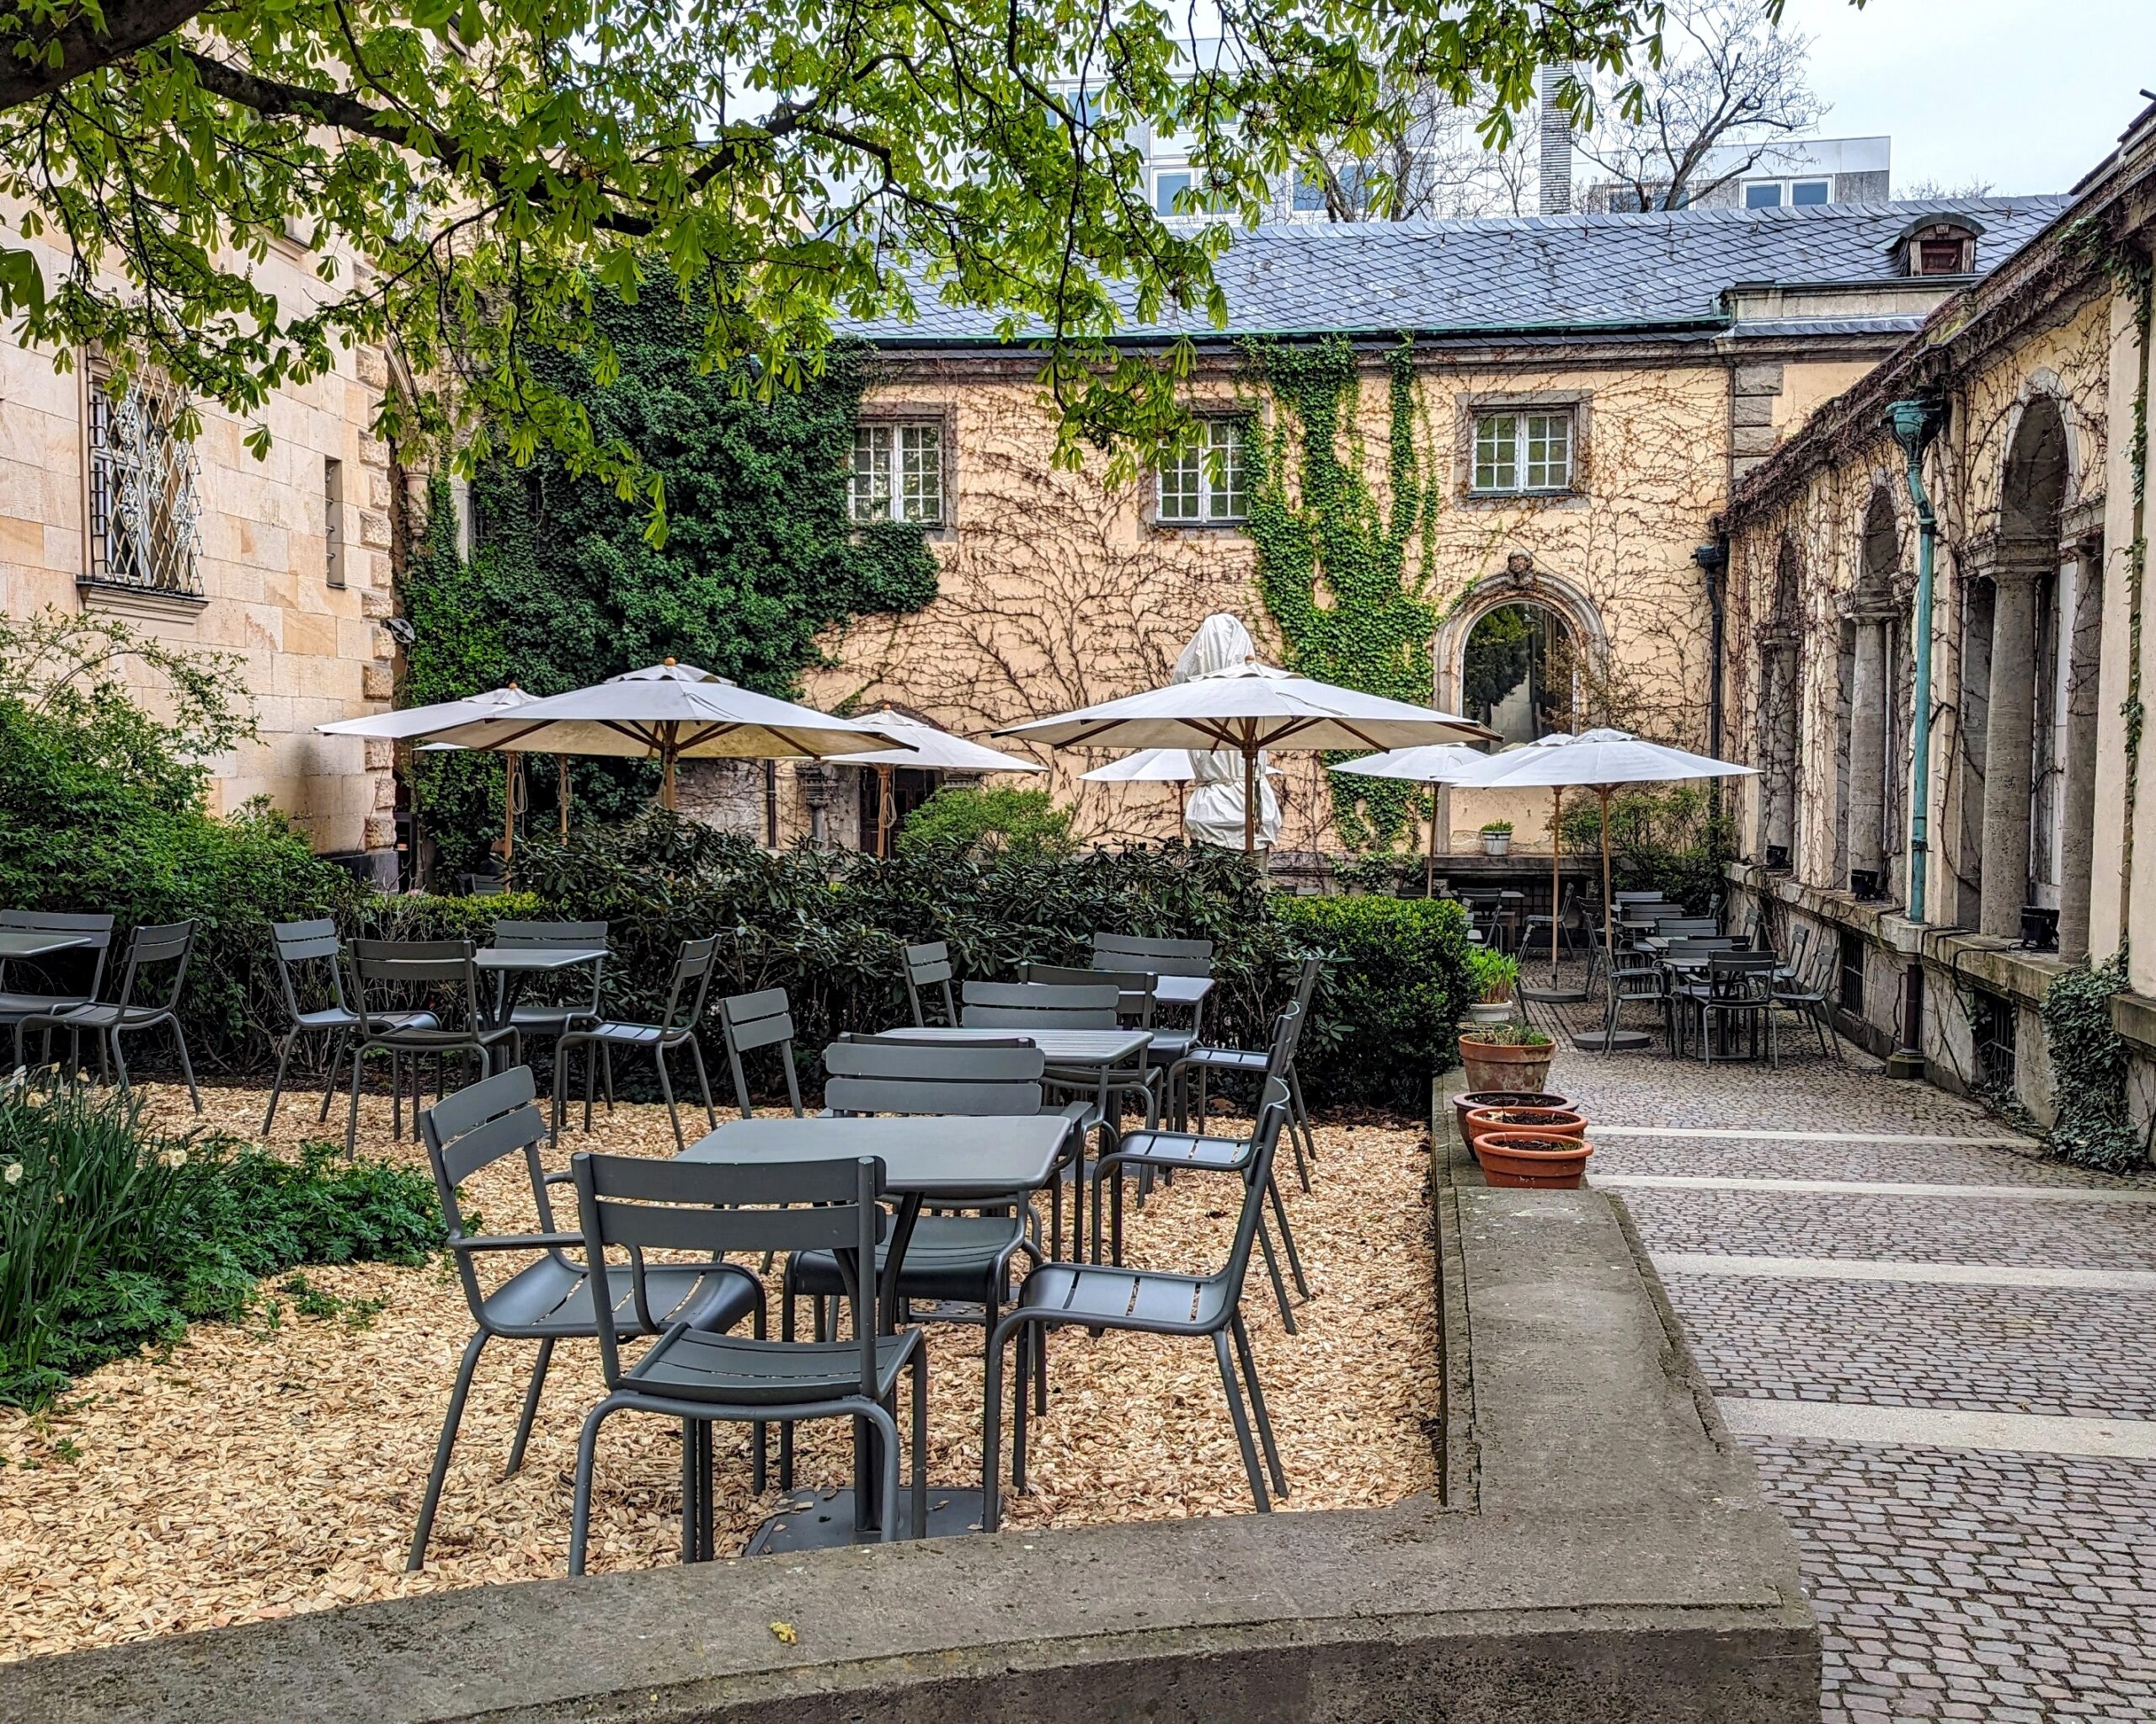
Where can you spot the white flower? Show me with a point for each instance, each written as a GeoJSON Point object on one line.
{"type": "Point", "coordinates": [14, 1175]}
{"type": "Point", "coordinates": [19, 1079]}
{"type": "Point", "coordinates": [173, 1158]}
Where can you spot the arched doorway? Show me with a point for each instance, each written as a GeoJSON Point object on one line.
{"type": "Point", "coordinates": [1517, 672]}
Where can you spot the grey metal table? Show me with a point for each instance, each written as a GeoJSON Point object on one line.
{"type": "Point", "coordinates": [509, 966]}
{"type": "Point", "coordinates": [937, 1157]}
{"type": "Point", "coordinates": [27, 944]}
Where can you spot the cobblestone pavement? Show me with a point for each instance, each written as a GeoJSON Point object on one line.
{"type": "Point", "coordinates": [2006, 1586]}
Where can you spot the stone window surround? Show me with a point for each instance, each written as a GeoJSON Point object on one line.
{"type": "Point", "coordinates": [1150, 496]}
{"type": "Point", "coordinates": [943, 414]}
{"type": "Point", "coordinates": [1469, 406]}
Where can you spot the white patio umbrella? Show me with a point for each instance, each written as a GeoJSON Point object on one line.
{"type": "Point", "coordinates": [669, 713]}
{"type": "Point", "coordinates": [406, 723]}
{"type": "Point", "coordinates": [1602, 762]}
{"type": "Point", "coordinates": [1433, 764]}
{"type": "Point", "coordinates": [928, 746]}
{"type": "Point", "coordinates": [1153, 766]}
{"type": "Point", "coordinates": [1243, 709]}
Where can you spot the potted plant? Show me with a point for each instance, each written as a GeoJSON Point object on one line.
{"type": "Point", "coordinates": [1532, 1159]}
{"type": "Point", "coordinates": [1505, 1056]}
{"type": "Point", "coordinates": [1550, 1122]}
{"type": "Point", "coordinates": [1492, 976]}
{"type": "Point", "coordinates": [1474, 1101]}
{"type": "Point", "coordinates": [1497, 838]}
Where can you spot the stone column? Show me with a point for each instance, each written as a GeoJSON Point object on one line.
{"type": "Point", "coordinates": [1778, 695]}
{"type": "Point", "coordinates": [2077, 850]}
{"type": "Point", "coordinates": [2011, 714]}
{"type": "Point", "coordinates": [1867, 812]}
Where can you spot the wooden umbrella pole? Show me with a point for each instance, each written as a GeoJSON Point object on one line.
{"type": "Point", "coordinates": [1250, 800]}
{"type": "Point", "coordinates": [666, 767]}
{"type": "Point", "coordinates": [1609, 920]}
{"type": "Point", "coordinates": [509, 804]}
{"type": "Point", "coordinates": [1556, 851]}
{"type": "Point", "coordinates": [884, 811]}
{"type": "Point", "coordinates": [1430, 861]}
{"type": "Point", "coordinates": [561, 791]}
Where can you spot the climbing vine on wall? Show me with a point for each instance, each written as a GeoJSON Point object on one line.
{"type": "Point", "coordinates": [2089, 1070]}
{"type": "Point", "coordinates": [1330, 564]}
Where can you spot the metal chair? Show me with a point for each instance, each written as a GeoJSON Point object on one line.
{"type": "Point", "coordinates": [548, 1298]}
{"type": "Point", "coordinates": [760, 1020]}
{"type": "Point", "coordinates": [1143, 1301]}
{"type": "Point", "coordinates": [95, 932]}
{"type": "Point", "coordinates": [148, 948]}
{"type": "Point", "coordinates": [1252, 1062]}
{"type": "Point", "coordinates": [1134, 1009]}
{"type": "Point", "coordinates": [390, 979]}
{"type": "Point", "coordinates": [928, 965]}
{"type": "Point", "coordinates": [1633, 976]}
{"type": "Point", "coordinates": [548, 1021]}
{"type": "Point", "coordinates": [676, 1028]}
{"type": "Point", "coordinates": [1161, 958]}
{"type": "Point", "coordinates": [1535, 932]}
{"type": "Point", "coordinates": [300, 946]}
{"type": "Point", "coordinates": [643, 1205]}
{"type": "Point", "coordinates": [1801, 991]}
{"type": "Point", "coordinates": [1739, 985]}
{"type": "Point", "coordinates": [1036, 1006]}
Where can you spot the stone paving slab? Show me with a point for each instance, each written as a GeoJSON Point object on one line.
{"type": "Point", "coordinates": [2065, 1353]}
{"type": "Point", "coordinates": [2006, 1588]}
{"type": "Point", "coordinates": [1650, 1089]}
{"type": "Point", "coordinates": [1926, 1163]}
{"type": "Point", "coordinates": [1941, 1230]}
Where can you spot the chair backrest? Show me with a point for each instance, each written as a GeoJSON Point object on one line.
{"type": "Point", "coordinates": [1035, 1005]}
{"type": "Point", "coordinates": [1671, 925]}
{"type": "Point", "coordinates": [1306, 985]}
{"type": "Point", "coordinates": [387, 974]}
{"type": "Point", "coordinates": [1741, 975]}
{"type": "Point", "coordinates": [523, 936]}
{"type": "Point", "coordinates": [1163, 958]}
{"type": "Point", "coordinates": [928, 965]}
{"type": "Point", "coordinates": [149, 946]}
{"type": "Point", "coordinates": [641, 1204]}
{"type": "Point", "coordinates": [1624, 898]}
{"type": "Point", "coordinates": [760, 1020]}
{"type": "Point", "coordinates": [300, 944]}
{"type": "Point", "coordinates": [689, 985]}
{"type": "Point", "coordinates": [895, 1075]}
{"type": "Point", "coordinates": [1134, 987]}
{"type": "Point", "coordinates": [472, 1130]}
{"type": "Point", "coordinates": [97, 930]}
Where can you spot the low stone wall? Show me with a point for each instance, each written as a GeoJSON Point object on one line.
{"type": "Point", "coordinates": [1600, 1551]}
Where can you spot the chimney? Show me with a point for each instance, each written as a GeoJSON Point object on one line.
{"type": "Point", "coordinates": [1555, 178]}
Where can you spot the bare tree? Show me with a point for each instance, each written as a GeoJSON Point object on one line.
{"type": "Point", "coordinates": [1430, 160]}
{"type": "Point", "coordinates": [1729, 91]}
{"type": "Point", "coordinates": [1918, 190]}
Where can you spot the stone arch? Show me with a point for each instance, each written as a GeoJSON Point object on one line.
{"type": "Point", "coordinates": [1871, 697]}
{"type": "Point", "coordinates": [1519, 583]}
{"type": "Point", "coordinates": [2041, 421]}
{"type": "Point", "coordinates": [1779, 635]}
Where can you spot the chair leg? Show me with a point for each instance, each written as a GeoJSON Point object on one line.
{"type": "Point", "coordinates": [119, 1058]}
{"type": "Point", "coordinates": [1026, 1337]}
{"type": "Point", "coordinates": [1287, 1237]}
{"type": "Point", "coordinates": [920, 1445]}
{"type": "Point", "coordinates": [689, 1491]}
{"type": "Point", "coordinates": [991, 1425]}
{"type": "Point", "coordinates": [277, 1083]}
{"type": "Point", "coordinates": [531, 1406]}
{"type": "Point", "coordinates": [786, 1429]}
{"type": "Point", "coordinates": [443, 1444]}
{"type": "Point", "coordinates": [887, 1428]}
{"type": "Point", "coordinates": [187, 1065]}
{"type": "Point", "coordinates": [666, 1089]}
{"type": "Point", "coordinates": [606, 1066]}
{"type": "Point", "coordinates": [1242, 1423]}
{"type": "Point", "coordinates": [587, 1448]}
{"type": "Point", "coordinates": [1241, 1333]}
{"type": "Point", "coordinates": [352, 1119]}
{"type": "Point", "coordinates": [1272, 1269]}
{"type": "Point", "coordinates": [333, 1060]}
{"type": "Point", "coordinates": [1297, 1113]}
{"type": "Point", "coordinates": [703, 1085]}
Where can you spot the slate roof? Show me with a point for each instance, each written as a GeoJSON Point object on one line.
{"type": "Point", "coordinates": [1550, 275]}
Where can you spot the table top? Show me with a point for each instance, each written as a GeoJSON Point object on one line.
{"type": "Point", "coordinates": [1058, 1047]}
{"type": "Point", "coordinates": [1181, 990]}
{"type": "Point", "coordinates": [537, 958]}
{"type": "Point", "coordinates": [934, 1157]}
{"type": "Point", "coordinates": [37, 942]}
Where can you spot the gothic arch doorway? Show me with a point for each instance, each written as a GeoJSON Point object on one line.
{"type": "Point", "coordinates": [1510, 652]}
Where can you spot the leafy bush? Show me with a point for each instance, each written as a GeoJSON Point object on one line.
{"type": "Point", "coordinates": [1491, 975]}
{"type": "Point", "coordinates": [1665, 838]}
{"type": "Point", "coordinates": [2089, 1071]}
{"type": "Point", "coordinates": [113, 1234]}
{"type": "Point", "coordinates": [966, 821]}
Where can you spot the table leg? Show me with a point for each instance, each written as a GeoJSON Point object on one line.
{"type": "Point", "coordinates": [867, 1441]}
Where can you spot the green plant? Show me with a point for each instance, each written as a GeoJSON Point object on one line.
{"type": "Point", "coordinates": [1667, 838]}
{"type": "Point", "coordinates": [970, 822]}
{"type": "Point", "coordinates": [114, 1235]}
{"type": "Point", "coordinates": [2087, 1056]}
{"type": "Point", "coordinates": [1493, 974]}
{"type": "Point", "coordinates": [1506, 1035]}
{"type": "Point", "coordinates": [1503, 826]}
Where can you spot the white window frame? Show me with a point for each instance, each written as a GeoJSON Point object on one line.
{"type": "Point", "coordinates": [143, 506]}
{"type": "Point", "coordinates": [897, 472]}
{"type": "Point", "coordinates": [1513, 466]}
{"type": "Point", "coordinates": [1190, 493]}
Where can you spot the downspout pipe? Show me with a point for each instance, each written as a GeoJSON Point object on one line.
{"type": "Point", "coordinates": [1915, 423]}
{"type": "Point", "coordinates": [1713, 562]}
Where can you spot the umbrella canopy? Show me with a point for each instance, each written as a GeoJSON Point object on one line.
{"type": "Point", "coordinates": [423, 721]}
{"type": "Point", "coordinates": [1153, 766]}
{"type": "Point", "coordinates": [669, 712]}
{"type": "Point", "coordinates": [931, 747]}
{"type": "Point", "coordinates": [1242, 709]}
{"type": "Point", "coordinates": [1434, 763]}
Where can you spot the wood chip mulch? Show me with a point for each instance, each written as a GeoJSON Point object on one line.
{"type": "Point", "coordinates": [268, 1467]}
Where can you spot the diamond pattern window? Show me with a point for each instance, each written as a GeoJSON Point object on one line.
{"type": "Point", "coordinates": [1205, 481]}
{"type": "Point", "coordinates": [1523, 452]}
{"type": "Point", "coordinates": [897, 472]}
{"type": "Point", "coordinates": [145, 514]}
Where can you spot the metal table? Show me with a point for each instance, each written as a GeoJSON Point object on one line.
{"type": "Point", "coordinates": [942, 1158]}
{"type": "Point", "coordinates": [511, 966]}
{"type": "Point", "coordinates": [28, 944]}
{"type": "Point", "coordinates": [1181, 990]}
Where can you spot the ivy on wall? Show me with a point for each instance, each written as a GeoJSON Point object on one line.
{"type": "Point", "coordinates": [565, 587]}
{"type": "Point", "coordinates": [1330, 564]}
{"type": "Point", "coordinates": [2089, 1070]}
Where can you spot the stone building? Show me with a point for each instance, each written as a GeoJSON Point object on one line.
{"type": "Point", "coordinates": [282, 561]}
{"type": "Point", "coordinates": [1585, 393]}
{"type": "Point", "coordinates": [2039, 851]}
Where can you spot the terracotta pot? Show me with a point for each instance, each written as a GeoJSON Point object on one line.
{"type": "Point", "coordinates": [1464, 1105]}
{"type": "Point", "coordinates": [1505, 1065]}
{"type": "Point", "coordinates": [1550, 1122]}
{"type": "Point", "coordinates": [1534, 1159]}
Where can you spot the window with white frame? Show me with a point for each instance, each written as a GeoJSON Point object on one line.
{"type": "Point", "coordinates": [1204, 480]}
{"type": "Point", "coordinates": [898, 472]}
{"type": "Point", "coordinates": [1528, 451]}
{"type": "Point", "coordinates": [144, 515]}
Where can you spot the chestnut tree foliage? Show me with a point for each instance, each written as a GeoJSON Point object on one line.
{"type": "Point", "coordinates": [472, 176]}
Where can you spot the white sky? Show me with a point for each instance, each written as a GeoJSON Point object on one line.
{"type": "Point", "coordinates": [2028, 94]}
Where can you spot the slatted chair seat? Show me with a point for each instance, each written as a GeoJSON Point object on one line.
{"type": "Point", "coordinates": [687, 1363]}
{"type": "Point", "coordinates": [950, 1258]}
{"type": "Point", "coordinates": [13, 1004]}
{"type": "Point", "coordinates": [1102, 1294]}
{"type": "Point", "coordinates": [550, 1297]}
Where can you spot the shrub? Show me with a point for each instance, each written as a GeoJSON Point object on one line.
{"type": "Point", "coordinates": [2094, 1128]}
{"type": "Point", "coordinates": [969, 822]}
{"type": "Point", "coordinates": [1665, 838]}
{"type": "Point", "coordinates": [113, 1234]}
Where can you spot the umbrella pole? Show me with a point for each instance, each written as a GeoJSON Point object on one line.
{"type": "Point", "coordinates": [884, 811]}
{"type": "Point", "coordinates": [1556, 852]}
{"type": "Point", "coordinates": [1608, 922]}
{"type": "Point", "coordinates": [561, 791]}
{"type": "Point", "coordinates": [666, 778]}
{"type": "Point", "coordinates": [1250, 800]}
{"type": "Point", "coordinates": [509, 805]}
{"type": "Point", "coordinates": [1430, 861]}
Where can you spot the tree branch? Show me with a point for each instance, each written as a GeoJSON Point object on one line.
{"type": "Point", "coordinates": [27, 69]}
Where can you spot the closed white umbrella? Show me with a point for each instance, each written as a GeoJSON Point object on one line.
{"type": "Point", "coordinates": [1433, 764]}
{"type": "Point", "coordinates": [930, 747]}
{"type": "Point", "coordinates": [1245, 708]}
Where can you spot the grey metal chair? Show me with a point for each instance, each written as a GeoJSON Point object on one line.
{"type": "Point", "coordinates": [928, 966]}
{"type": "Point", "coordinates": [1209, 1062]}
{"type": "Point", "coordinates": [416, 998]}
{"type": "Point", "coordinates": [149, 948]}
{"type": "Point", "coordinates": [1136, 1006]}
{"type": "Point", "coordinates": [643, 1205]}
{"type": "Point", "coordinates": [676, 1028]}
{"type": "Point", "coordinates": [300, 947]}
{"type": "Point", "coordinates": [1633, 977]}
{"type": "Point", "coordinates": [94, 932]}
{"type": "Point", "coordinates": [547, 1020]}
{"type": "Point", "coordinates": [1800, 989]}
{"type": "Point", "coordinates": [1143, 1301]}
{"type": "Point", "coordinates": [1161, 958]}
{"type": "Point", "coordinates": [549, 1297]}
{"type": "Point", "coordinates": [1191, 1152]}
{"type": "Point", "coordinates": [1740, 988]}
{"type": "Point", "coordinates": [749, 1022]}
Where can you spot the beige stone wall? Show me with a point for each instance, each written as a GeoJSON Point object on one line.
{"type": "Point", "coordinates": [308, 652]}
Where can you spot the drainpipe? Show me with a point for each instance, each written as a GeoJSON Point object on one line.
{"type": "Point", "coordinates": [1713, 561]}
{"type": "Point", "coordinates": [1914, 424]}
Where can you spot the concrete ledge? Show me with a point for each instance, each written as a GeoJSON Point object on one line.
{"type": "Point", "coordinates": [1606, 1556]}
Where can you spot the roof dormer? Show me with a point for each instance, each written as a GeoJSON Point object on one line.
{"type": "Point", "coordinates": [1937, 245]}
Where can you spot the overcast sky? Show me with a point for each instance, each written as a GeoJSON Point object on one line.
{"type": "Point", "coordinates": [2028, 94]}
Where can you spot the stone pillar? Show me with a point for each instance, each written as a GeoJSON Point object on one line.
{"type": "Point", "coordinates": [1867, 746]}
{"type": "Point", "coordinates": [2010, 713]}
{"type": "Point", "coordinates": [2077, 848]}
{"type": "Point", "coordinates": [1778, 695]}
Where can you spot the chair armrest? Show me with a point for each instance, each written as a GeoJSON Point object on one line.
{"type": "Point", "coordinates": [564, 1177]}
{"type": "Point", "coordinates": [515, 1241]}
